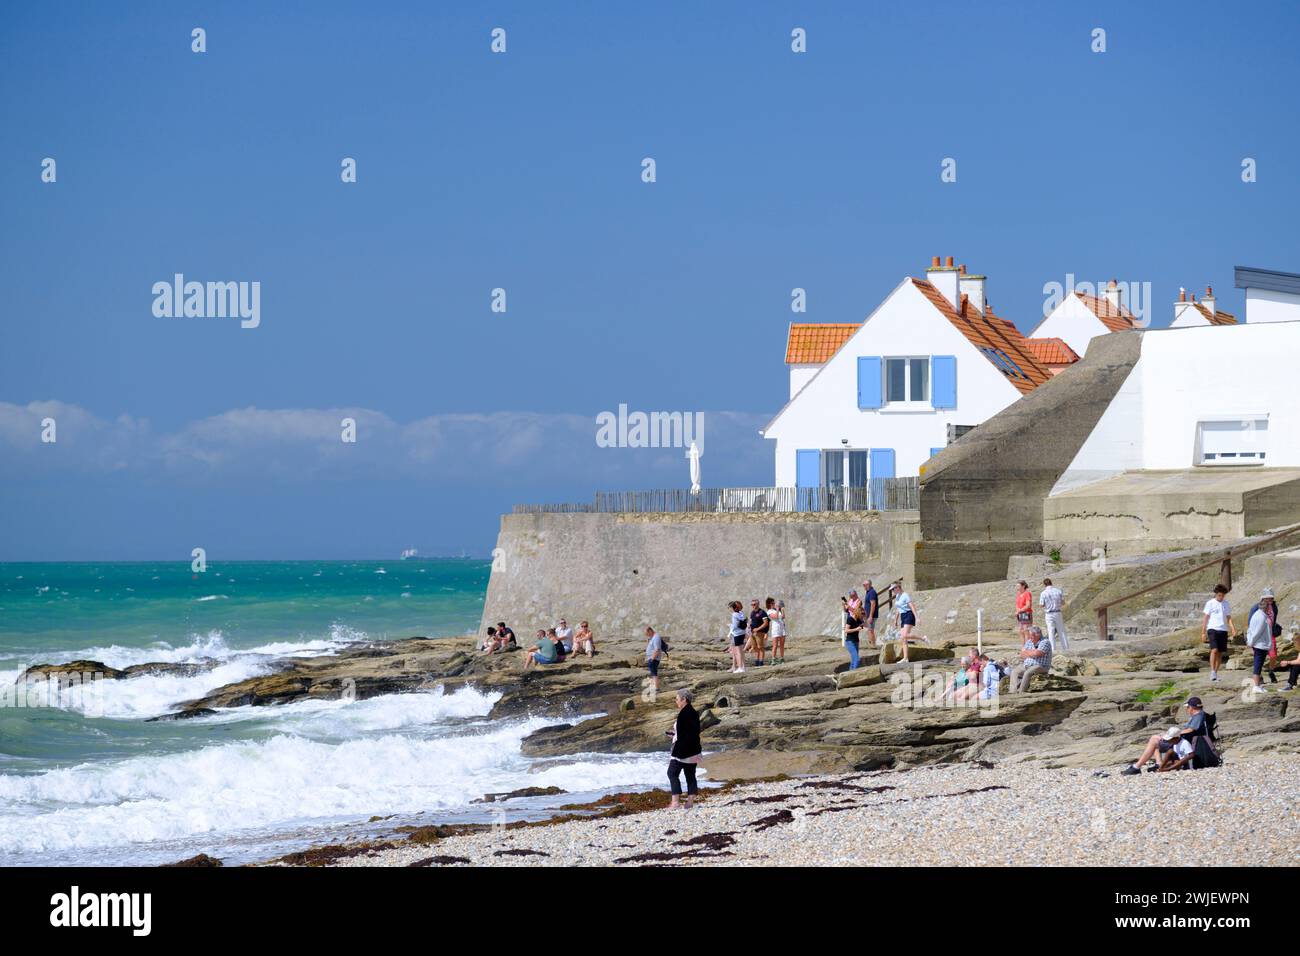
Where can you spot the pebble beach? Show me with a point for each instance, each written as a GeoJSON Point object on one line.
{"type": "Point", "coordinates": [949, 815]}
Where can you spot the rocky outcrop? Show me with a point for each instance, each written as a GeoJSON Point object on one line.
{"type": "Point", "coordinates": [809, 715]}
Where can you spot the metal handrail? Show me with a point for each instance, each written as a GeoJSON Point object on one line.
{"type": "Point", "coordinates": [1225, 576]}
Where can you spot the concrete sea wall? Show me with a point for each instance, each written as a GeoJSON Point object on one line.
{"type": "Point", "coordinates": [677, 572]}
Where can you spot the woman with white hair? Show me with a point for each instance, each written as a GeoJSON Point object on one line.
{"type": "Point", "coordinates": [686, 750]}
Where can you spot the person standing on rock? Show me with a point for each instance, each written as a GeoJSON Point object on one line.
{"type": "Point", "coordinates": [852, 632]}
{"type": "Point", "coordinates": [906, 609]}
{"type": "Point", "coordinates": [1217, 627]}
{"type": "Point", "coordinates": [654, 652]}
{"type": "Point", "coordinates": [1035, 658]}
{"type": "Point", "coordinates": [871, 610]}
{"type": "Point", "coordinates": [758, 628]}
{"type": "Point", "coordinates": [776, 614]}
{"type": "Point", "coordinates": [1052, 601]}
{"type": "Point", "coordinates": [1259, 635]}
{"type": "Point", "coordinates": [1024, 608]}
{"type": "Point", "coordinates": [736, 638]}
{"type": "Point", "coordinates": [686, 750]}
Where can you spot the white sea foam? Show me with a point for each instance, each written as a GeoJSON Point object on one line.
{"type": "Point", "coordinates": [149, 695]}
{"type": "Point", "coordinates": [292, 779]}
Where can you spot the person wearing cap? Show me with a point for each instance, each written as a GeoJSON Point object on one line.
{"type": "Point", "coordinates": [1259, 636]}
{"type": "Point", "coordinates": [1179, 753]}
{"type": "Point", "coordinates": [1163, 743]}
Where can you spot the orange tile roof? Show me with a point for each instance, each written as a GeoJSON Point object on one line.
{"type": "Point", "coordinates": [1051, 351]}
{"type": "Point", "coordinates": [1116, 319]}
{"type": "Point", "coordinates": [1218, 318]}
{"type": "Point", "coordinates": [815, 342]}
{"type": "Point", "coordinates": [989, 331]}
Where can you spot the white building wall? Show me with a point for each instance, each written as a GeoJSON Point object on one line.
{"type": "Point", "coordinates": [1265, 305]}
{"type": "Point", "coordinates": [826, 410]}
{"type": "Point", "coordinates": [1073, 322]}
{"type": "Point", "coordinates": [1189, 375]}
{"type": "Point", "coordinates": [799, 376]}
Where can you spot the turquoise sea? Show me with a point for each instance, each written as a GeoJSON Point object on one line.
{"type": "Point", "coordinates": [88, 779]}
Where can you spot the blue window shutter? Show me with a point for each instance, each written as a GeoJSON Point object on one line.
{"type": "Point", "coordinates": [943, 387]}
{"type": "Point", "coordinates": [871, 388]}
{"type": "Point", "coordinates": [882, 463]}
{"type": "Point", "coordinates": [935, 451]}
{"type": "Point", "coordinates": [807, 467]}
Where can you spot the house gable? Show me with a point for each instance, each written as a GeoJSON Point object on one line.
{"type": "Point", "coordinates": [906, 323]}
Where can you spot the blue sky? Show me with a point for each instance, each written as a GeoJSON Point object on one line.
{"type": "Point", "coordinates": [522, 171]}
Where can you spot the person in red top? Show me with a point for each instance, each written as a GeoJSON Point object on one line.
{"type": "Point", "coordinates": [1024, 607]}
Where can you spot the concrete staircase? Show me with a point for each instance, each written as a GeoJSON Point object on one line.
{"type": "Point", "coordinates": [1173, 615]}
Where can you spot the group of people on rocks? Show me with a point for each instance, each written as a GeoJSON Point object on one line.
{"type": "Point", "coordinates": [861, 614]}
{"type": "Point", "coordinates": [1262, 631]}
{"type": "Point", "coordinates": [749, 633]}
{"type": "Point", "coordinates": [1052, 601]}
{"type": "Point", "coordinates": [550, 645]}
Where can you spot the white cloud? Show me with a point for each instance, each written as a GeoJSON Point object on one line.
{"type": "Point", "coordinates": [490, 448]}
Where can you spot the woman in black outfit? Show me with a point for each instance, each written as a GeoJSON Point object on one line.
{"type": "Point", "coordinates": [686, 749]}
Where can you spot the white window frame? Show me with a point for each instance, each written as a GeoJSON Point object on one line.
{"type": "Point", "coordinates": [1246, 457]}
{"type": "Point", "coordinates": [908, 405]}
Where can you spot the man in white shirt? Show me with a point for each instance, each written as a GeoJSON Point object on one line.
{"type": "Point", "coordinates": [1217, 627]}
{"type": "Point", "coordinates": [565, 634]}
{"type": "Point", "coordinates": [1052, 602]}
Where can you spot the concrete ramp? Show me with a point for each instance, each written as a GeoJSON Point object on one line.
{"type": "Point", "coordinates": [1145, 511]}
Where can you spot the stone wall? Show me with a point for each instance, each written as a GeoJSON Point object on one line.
{"type": "Point", "coordinates": [678, 571]}
{"type": "Point", "coordinates": [982, 497]}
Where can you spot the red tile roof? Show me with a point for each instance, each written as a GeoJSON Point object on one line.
{"type": "Point", "coordinates": [1117, 319]}
{"type": "Point", "coordinates": [1217, 318]}
{"type": "Point", "coordinates": [1051, 351]}
{"type": "Point", "coordinates": [815, 342]}
{"type": "Point", "coordinates": [999, 340]}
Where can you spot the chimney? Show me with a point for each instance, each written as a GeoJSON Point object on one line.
{"type": "Point", "coordinates": [1114, 297]}
{"type": "Point", "coordinates": [1183, 304]}
{"type": "Point", "coordinates": [972, 287]}
{"type": "Point", "coordinates": [1209, 301]}
{"type": "Point", "coordinates": [945, 279]}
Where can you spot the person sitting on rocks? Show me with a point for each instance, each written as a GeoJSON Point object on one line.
{"type": "Point", "coordinates": [1160, 743]}
{"type": "Point", "coordinates": [1035, 658]}
{"type": "Point", "coordinates": [959, 681]}
{"type": "Point", "coordinates": [489, 645]}
{"type": "Point", "coordinates": [542, 653]}
{"type": "Point", "coordinates": [560, 649]}
{"type": "Point", "coordinates": [1179, 753]}
{"type": "Point", "coordinates": [991, 675]}
{"type": "Point", "coordinates": [564, 634]}
{"type": "Point", "coordinates": [505, 636]}
{"type": "Point", "coordinates": [584, 642]}
{"type": "Point", "coordinates": [1292, 668]}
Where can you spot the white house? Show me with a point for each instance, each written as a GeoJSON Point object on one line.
{"type": "Point", "coordinates": [1270, 296]}
{"type": "Point", "coordinates": [1079, 318]}
{"type": "Point", "coordinates": [1202, 398]}
{"type": "Point", "coordinates": [1188, 313]}
{"type": "Point", "coordinates": [877, 399]}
